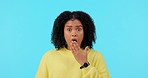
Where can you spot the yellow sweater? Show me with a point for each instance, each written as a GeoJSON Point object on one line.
{"type": "Point", "coordinates": [62, 64]}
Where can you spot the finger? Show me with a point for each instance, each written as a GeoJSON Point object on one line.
{"type": "Point", "coordinates": [73, 49]}
{"type": "Point", "coordinates": [76, 47]}
{"type": "Point", "coordinates": [73, 45]}
{"type": "Point", "coordinates": [86, 49]}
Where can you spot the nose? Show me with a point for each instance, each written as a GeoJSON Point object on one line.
{"type": "Point", "coordinates": [74, 34]}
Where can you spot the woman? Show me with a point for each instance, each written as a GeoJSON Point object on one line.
{"type": "Point", "coordinates": [73, 36]}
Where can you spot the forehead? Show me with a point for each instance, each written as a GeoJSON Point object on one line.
{"type": "Point", "coordinates": [73, 22]}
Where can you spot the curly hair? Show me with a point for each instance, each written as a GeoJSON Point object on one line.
{"type": "Point", "coordinates": [57, 36]}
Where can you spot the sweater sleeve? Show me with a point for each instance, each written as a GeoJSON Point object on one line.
{"type": "Point", "coordinates": [97, 69]}
{"type": "Point", "coordinates": [42, 71]}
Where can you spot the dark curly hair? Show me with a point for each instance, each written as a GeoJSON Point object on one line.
{"type": "Point", "coordinates": [58, 29]}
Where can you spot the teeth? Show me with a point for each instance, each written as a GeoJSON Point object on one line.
{"type": "Point", "coordinates": [74, 40]}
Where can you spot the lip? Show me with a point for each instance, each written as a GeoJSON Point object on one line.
{"type": "Point", "coordinates": [74, 39]}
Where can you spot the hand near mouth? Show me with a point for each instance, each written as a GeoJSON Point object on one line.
{"type": "Point", "coordinates": [79, 55]}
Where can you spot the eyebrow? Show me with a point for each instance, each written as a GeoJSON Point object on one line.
{"type": "Point", "coordinates": [79, 26]}
{"type": "Point", "coordinates": [76, 26]}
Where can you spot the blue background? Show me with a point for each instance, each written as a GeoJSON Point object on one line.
{"type": "Point", "coordinates": [121, 25]}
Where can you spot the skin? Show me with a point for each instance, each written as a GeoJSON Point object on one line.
{"type": "Point", "coordinates": [73, 34]}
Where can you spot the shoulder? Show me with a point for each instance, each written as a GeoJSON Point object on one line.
{"type": "Point", "coordinates": [96, 57]}
{"type": "Point", "coordinates": [95, 54]}
{"type": "Point", "coordinates": [50, 53]}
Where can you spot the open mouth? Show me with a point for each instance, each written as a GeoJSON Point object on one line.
{"type": "Point", "coordinates": [74, 40]}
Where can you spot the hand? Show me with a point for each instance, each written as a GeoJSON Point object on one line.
{"type": "Point", "coordinates": [79, 55]}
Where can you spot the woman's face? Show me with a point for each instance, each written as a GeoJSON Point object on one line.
{"type": "Point", "coordinates": [73, 31]}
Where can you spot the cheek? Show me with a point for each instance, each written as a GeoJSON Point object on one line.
{"type": "Point", "coordinates": [66, 36]}
{"type": "Point", "coordinates": [81, 37]}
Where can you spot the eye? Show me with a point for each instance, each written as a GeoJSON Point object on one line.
{"type": "Point", "coordinates": [69, 29]}
{"type": "Point", "coordinates": [79, 29]}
